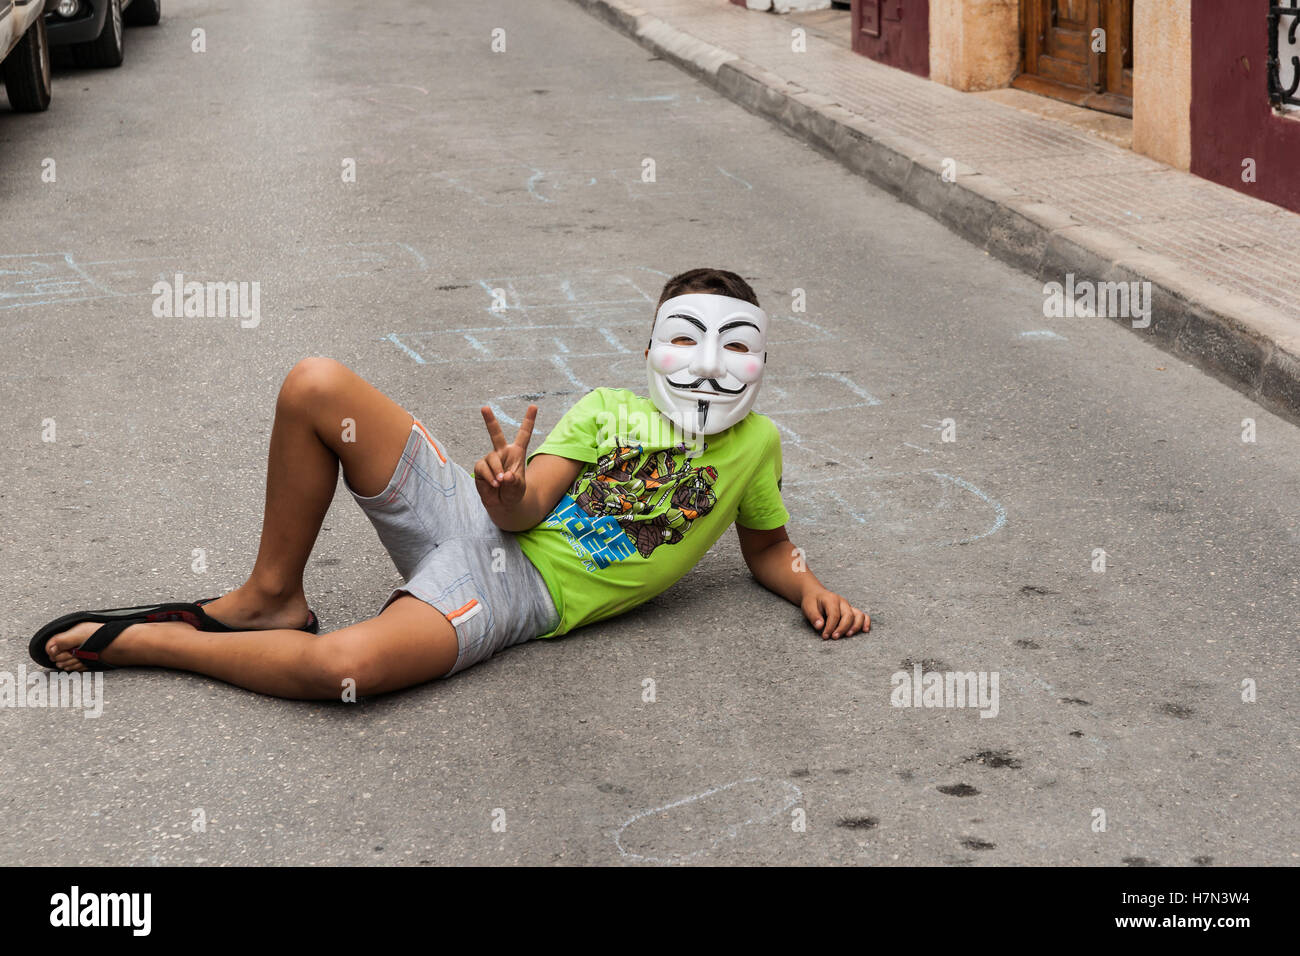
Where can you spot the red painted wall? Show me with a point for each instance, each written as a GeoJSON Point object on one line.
{"type": "Point", "coordinates": [1231, 116]}
{"type": "Point", "coordinates": [904, 33]}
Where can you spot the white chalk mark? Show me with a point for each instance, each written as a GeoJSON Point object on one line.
{"type": "Point", "coordinates": [735, 177]}
{"type": "Point", "coordinates": [918, 448]}
{"type": "Point", "coordinates": [852, 386]}
{"type": "Point", "coordinates": [567, 288]}
{"type": "Point", "coordinates": [867, 398]}
{"type": "Point", "coordinates": [392, 337]}
{"type": "Point", "coordinates": [793, 797]}
{"type": "Point", "coordinates": [807, 322]}
{"type": "Point", "coordinates": [1043, 334]}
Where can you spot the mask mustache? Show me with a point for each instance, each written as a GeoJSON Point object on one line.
{"type": "Point", "coordinates": [712, 382]}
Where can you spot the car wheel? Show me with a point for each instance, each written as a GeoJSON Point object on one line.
{"type": "Point", "coordinates": [144, 13]}
{"type": "Point", "coordinates": [106, 49]}
{"type": "Point", "coordinates": [27, 71]}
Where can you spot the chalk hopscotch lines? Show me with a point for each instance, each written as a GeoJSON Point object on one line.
{"type": "Point", "coordinates": [586, 304]}
{"type": "Point", "coordinates": [33, 280]}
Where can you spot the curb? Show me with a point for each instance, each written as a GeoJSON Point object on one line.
{"type": "Point", "coordinates": [1242, 343]}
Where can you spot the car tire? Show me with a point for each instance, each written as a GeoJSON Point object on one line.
{"type": "Point", "coordinates": [27, 71]}
{"type": "Point", "coordinates": [144, 13]}
{"type": "Point", "coordinates": [107, 49]}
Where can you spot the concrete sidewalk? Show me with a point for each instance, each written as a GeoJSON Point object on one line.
{"type": "Point", "coordinates": [1040, 194]}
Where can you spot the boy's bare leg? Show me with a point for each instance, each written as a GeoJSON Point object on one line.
{"type": "Point", "coordinates": [409, 643]}
{"type": "Point", "coordinates": [307, 448]}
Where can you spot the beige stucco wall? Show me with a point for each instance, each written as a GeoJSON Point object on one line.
{"type": "Point", "coordinates": [974, 44]}
{"type": "Point", "coordinates": [1162, 80]}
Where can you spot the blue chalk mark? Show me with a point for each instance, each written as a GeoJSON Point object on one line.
{"type": "Point", "coordinates": [567, 288]}
{"type": "Point", "coordinates": [533, 180]}
{"type": "Point", "coordinates": [476, 344]}
{"type": "Point", "coordinates": [502, 416]}
{"type": "Point", "coordinates": [848, 508]}
{"type": "Point", "coordinates": [563, 366]}
{"type": "Point", "coordinates": [612, 340]}
{"type": "Point", "coordinates": [787, 430]}
{"type": "Point", "coordinates": [1001, 512]}
{"type": "Point", "coordinates": [392, 337]}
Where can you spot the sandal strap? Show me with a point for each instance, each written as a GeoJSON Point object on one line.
{"type": "Point", "coordinates": [92, 646]}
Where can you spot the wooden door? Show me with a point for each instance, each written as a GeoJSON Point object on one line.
{"type": "Point", "coordinates": [1080, 51]}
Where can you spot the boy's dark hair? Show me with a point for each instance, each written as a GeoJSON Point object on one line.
{"type": "Point", "coordinates": [712, 281]}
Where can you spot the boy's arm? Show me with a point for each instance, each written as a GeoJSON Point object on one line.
{"type": "Point", "coordinates": [780, 567]}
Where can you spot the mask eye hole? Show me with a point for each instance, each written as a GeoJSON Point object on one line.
{"type": "Point", "coordinates": [736, 347]}
{"type": "Point", "coordinates": [682, 340]}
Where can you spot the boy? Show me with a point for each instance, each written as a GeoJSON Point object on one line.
{"type": "Point", "coordinates": [623, 498]}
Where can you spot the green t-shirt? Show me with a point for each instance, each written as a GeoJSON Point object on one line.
{"type": "Point", "coordinates": [643, 511]}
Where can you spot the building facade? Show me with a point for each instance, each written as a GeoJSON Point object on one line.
{"type": "Point", "coordinates": [1212, 86]}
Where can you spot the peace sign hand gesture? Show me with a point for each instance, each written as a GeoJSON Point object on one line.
{"type": "Point", "coordinates": [499, 475]}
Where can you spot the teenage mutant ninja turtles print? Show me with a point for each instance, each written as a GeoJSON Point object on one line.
{"type": "Point", "coordinates": [653, 496]}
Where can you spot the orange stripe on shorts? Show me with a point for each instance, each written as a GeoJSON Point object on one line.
{"type": "Point", "coordinates": [467, 610]}
{"type": "Point", "coordinates": [429, 439]}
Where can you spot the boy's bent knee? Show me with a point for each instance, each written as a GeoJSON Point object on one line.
{"type": "Point", "coordinates": [312, 381]}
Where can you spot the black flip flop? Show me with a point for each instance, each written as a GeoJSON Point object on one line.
{"type": "Point", "coordinates": [191, 613]}
{"type": "Point", "coordinates": [209, 623]}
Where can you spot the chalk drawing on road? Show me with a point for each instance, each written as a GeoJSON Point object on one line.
{"type": "Point", "coordinates": [694, 826]}
{"type": "Point", "coordinates": [58, 278]}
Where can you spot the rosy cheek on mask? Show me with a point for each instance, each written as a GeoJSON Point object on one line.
{"type": "Point", "coordinates": [665, 360]}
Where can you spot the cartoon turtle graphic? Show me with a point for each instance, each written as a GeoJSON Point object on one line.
{"type": "Point", "coordinates": [626, 486]}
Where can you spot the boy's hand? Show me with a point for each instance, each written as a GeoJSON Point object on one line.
{"type": "Point", "coordinates": [834, 616]}
{"type": "Point", "coordinates": [499, 475]}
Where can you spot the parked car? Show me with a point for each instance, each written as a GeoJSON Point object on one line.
{"type": "Point", "coordinates": [94, 28]}
{"type": "Point", "coordinates": [25, 54]}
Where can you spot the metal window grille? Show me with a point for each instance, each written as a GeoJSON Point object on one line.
{"type": "Point", "coordinates": [1283, 45]}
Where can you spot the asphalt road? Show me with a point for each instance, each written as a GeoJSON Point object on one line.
{"type": "Point", "coordinates": [522, 170]}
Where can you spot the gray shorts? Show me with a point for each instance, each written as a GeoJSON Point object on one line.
{"type": "Point", "coordinates": [434, 526]}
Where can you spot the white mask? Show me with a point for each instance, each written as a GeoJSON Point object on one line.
{"type": "Point", "coordinates": [706, 382]}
